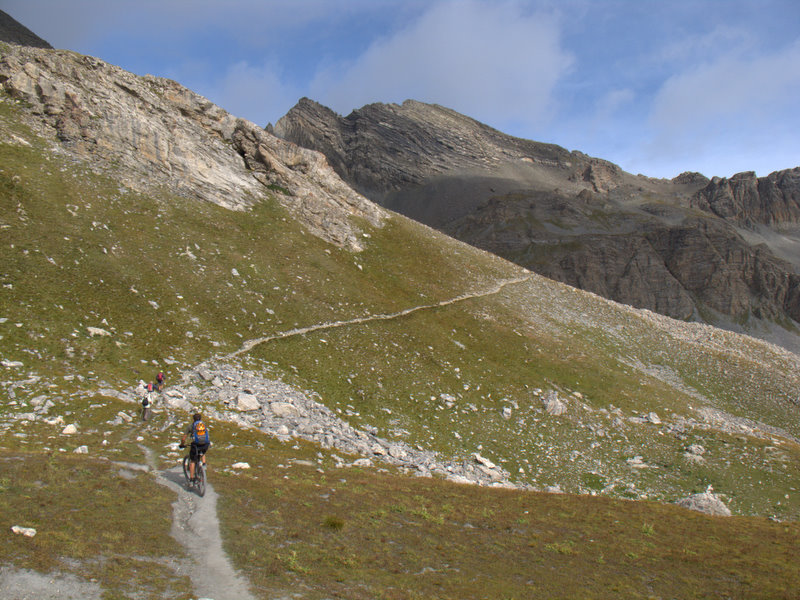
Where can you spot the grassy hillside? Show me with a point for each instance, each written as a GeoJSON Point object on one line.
{"type": "Point", "coordinates": [172, 282]}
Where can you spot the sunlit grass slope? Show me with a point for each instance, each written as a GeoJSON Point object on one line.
{"type": "Point", "coordinates": [101, 286]}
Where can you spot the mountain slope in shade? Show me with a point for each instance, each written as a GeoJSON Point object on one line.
{"type": "Point", "coordinates": [14, 32]}
{"type": "Point", "coordinates": [721, 251]}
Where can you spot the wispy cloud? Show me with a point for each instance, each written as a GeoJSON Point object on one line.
{"type": "Point", "coordinates": [733, 101]}
{"type": "Point", "coordinates": [487, 60]}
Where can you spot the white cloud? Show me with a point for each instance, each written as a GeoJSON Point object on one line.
{"type": "Point", "coordinates": [491, 61]}
{"type": "Point", "coordinates": [735, 105]}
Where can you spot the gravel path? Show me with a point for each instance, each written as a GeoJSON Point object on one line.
{"type": "Point", "coordinates": [196, 526]}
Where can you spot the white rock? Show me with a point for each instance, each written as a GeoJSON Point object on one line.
{"type": "Point", "coordinates": [553, 405]}
{"type": "Point", "coordinates": [11, 364]}
{"type": "Point", "coordinates": [241, 465]}
{"type": "Point", "coordinates": [247, 402]}
{"type": "Point", "coordinates": [97, 331]}
{"type": "Point", "coordinates": [282, 430]}
{"type": "Point", "coordinates": [234, 272]}
{"type": "Point", "coordinates": [483, 461]}
{"type": "Point", "coordinates": [70, 429]}
{"type": "Point", "coordinates": [283, 409]}
{"type": "Point", "coordinates": [81, 450]}
{"type": "Point", "coordinates": [706, 503]}
{"type": "Point", "coordinates": [397, 452]}
{"type": "Point", "coordinates": [459, 479]}
{"type": "Point", "coordinates": [506, 412]}
{"type": "Point", "coordinates": [362, 462]}
{"type": "Point", "coordinates": [26, 531]}
{"type": "Point", "coordinates": [654, 418]}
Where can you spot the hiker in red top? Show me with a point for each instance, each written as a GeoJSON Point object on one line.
{"type": "Point", "coordinates": [160, 378]}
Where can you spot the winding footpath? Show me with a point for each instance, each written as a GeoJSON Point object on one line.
{"type": "Point", "coordinates": [250, 344]}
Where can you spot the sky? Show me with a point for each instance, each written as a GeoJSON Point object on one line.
{"type": "Point", "coordinates": [658, 87]}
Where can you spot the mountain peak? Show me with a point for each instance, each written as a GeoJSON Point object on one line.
{"type": "Point", "coordinates": [14, 32]}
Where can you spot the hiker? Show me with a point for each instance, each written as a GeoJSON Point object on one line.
{"type": "Point", "coordinates": [147, 402]}
{"type": "Point", "coordinates": [160, 378]}
{"type": "Point", "coordinates": [200, 441]}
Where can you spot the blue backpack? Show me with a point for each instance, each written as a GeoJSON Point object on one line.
{"type": "Point", "coordinates": [200, 433]}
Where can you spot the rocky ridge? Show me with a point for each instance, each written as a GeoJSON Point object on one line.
{"type": "Point", "coordinates": [686, 248]}
{"type": "Point", "coordinates": [155, 134]}
{"type": "Point", "coordinates": [14, 32]}
{"type": "Point", "coordinates": [750, 200]}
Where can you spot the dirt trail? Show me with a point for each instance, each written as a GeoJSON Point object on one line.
{"type": "Point", "coordinates": [196, 526]}
{"type": "Point", "coordinates": [250, 344]}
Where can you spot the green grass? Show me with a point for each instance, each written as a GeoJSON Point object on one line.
{"type": "Point", "coordinates": [90, 521]}
{"type": "Point", "coordinates": [157, 272]}
{"type": "Point", "coordinates": [419, 538]}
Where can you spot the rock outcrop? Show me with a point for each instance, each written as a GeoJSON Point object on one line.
{"type": "Point", "coordinates": [747, 199]}
{"type": "Point", "coordinates": [684, 248]}
{"type": "Point", "coordinates": [14, 32]}
{"type": "Point", "coordinates": [154, 134]}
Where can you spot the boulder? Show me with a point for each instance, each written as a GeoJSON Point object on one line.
{"type": "Point", "coordinates": [553, 405]}
{"type": "Point", "coordinates": [26, 531]}
{"type": "Point", "coordinates": [283, 410]}
{"type": "Point", "coordinates": [70, 429]}
{"type": "Point", "coordinates": [247, 402]}
{"type": "Point", "coordinates": [707, 503]}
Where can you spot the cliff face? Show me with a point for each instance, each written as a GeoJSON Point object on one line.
{"type": "Point", "coordinates": [681, 247]}
{"type": "Point", "coordinates": [747, 199]}
{"type": "Point", "coordinates": [155, 134]}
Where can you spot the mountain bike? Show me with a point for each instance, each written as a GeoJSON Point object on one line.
{"type": "Point", "coordinates": [199, 481]}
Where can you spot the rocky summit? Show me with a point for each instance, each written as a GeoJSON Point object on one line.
{"type": "Point", "coordinates": [721, 251]}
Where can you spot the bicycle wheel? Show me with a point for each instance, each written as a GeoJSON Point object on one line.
{"type": "Point", "coordinates": [186, 468]}
{"type": "Point", "coordinates": [200, 475]}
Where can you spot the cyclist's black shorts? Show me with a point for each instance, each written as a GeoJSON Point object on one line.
{"type": "Point", "coordinates": [197, 450]}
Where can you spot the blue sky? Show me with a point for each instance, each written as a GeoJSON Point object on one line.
{"type": "Point", "coordinates": [658, 87]}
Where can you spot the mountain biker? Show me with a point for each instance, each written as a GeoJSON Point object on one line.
{"type": "Point", "coordinates": [200, 441]}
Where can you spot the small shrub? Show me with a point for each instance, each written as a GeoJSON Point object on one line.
{"type": "Point", "coordinates": [334, 523]}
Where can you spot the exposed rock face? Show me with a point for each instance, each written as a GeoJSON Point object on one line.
{"type": "Point", "coordinates": [747, 199]}
{"type": "Point", "coordinates": [14, 32]}
{"type": "Point", "coordinates": [571, 217]}
{"type": "Point", "coordinates": [385, 148]}
{"type": "Point", "coordinates": [154, 134]}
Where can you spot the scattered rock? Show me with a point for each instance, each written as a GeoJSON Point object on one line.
{"type": "Point", "coordinates": [81, 450]}
{"type": "Point", "coordinates": [240, 465]}
{"type": "Point", "coordinates": [11, 364]}
{"type": "Point", "coordinates": [654, 418]}
{"type": "Point", "coordinates": [70, 429]}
